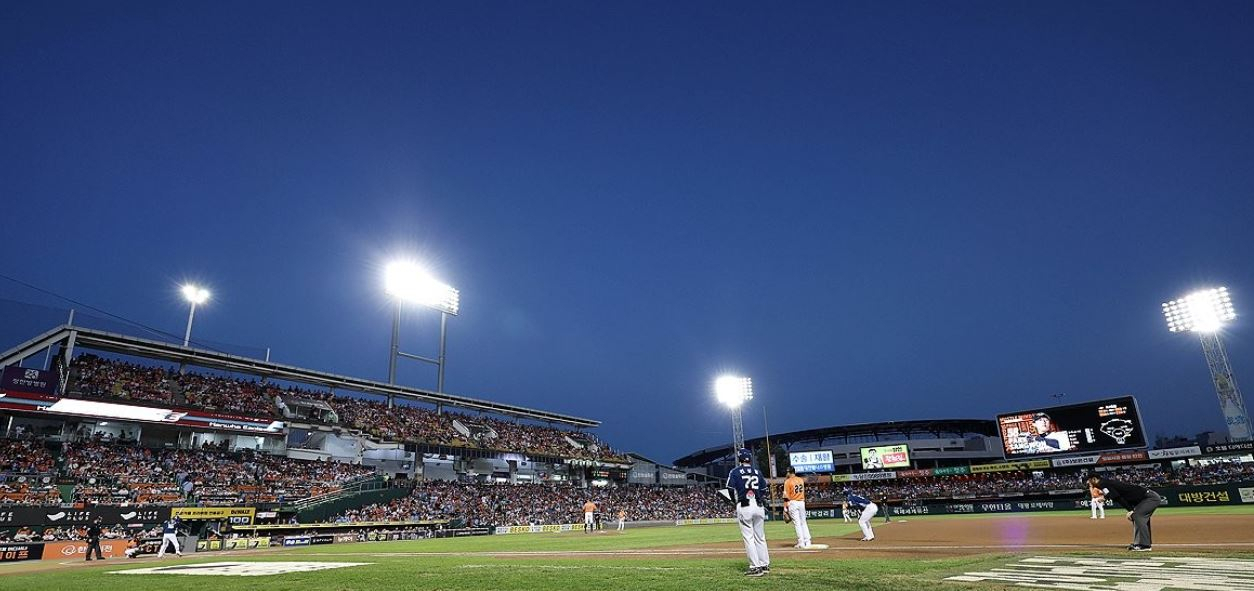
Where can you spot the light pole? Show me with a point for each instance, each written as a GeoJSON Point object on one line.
{"type": "Point", "coordinates": [195, 295]}
{"type": "Point", "coordinates": [1205, 312]}
{"type": "Point", "coordinates": [733, 392]}
{"type": "Point", "coordinates": [407, 282]}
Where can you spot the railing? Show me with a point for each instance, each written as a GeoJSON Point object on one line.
{"type": "Point", "coordinates": [352, 487]}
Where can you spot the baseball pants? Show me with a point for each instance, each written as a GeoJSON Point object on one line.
{"type": "Point", "coordinates": [797, 512]}
{"type": "Point", "coordinates": [171, 539]}
{"type": "Point", "coordinates": [621, 524]}
{"type": "Point", "coordinates": [1141, 514]}
{"type": "Point", "coordinates": [1099, 506]}
{"type": "Point", "coordinates": [864, 521]}
{"type": "Point", "coordinates": [751, 520]}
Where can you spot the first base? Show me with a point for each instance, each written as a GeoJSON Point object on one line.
{"type": "Point", "coordinates": [816, 547]}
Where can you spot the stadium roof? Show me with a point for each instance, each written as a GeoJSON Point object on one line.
{"type": "Point", "coordinates": [854, 433]}
{"type": "Point", "coordinates": [73, 336]}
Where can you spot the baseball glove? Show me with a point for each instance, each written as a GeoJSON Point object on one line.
{"type": "Point", "coordinates": [787, 517]}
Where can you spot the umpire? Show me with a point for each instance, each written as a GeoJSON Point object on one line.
{"type": "Point", "coordinates": [1140, 503]}
{"type": "Point", "coordinates": [93, 539]}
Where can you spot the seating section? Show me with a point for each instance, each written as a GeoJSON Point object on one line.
{"type": "Point", "coordinates": [121, 473]}
{"type": "Point", "coordinates": [97, 377]}
{"type": "Point", "coordinates": [27, 473]}
{"type": "Point", "coordinates": [484, 505]}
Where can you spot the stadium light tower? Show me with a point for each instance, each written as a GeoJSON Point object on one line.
{"type": "Point", "coordinates": [733, 392]}
{"type": "Point", "coordinates": [195, 295]}
{"type": "Point", "coordinates": [408, 282]}
{"type": "Point", "coordinates": [1205, 312]}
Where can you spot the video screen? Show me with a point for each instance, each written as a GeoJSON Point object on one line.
{"type": "Point", "coordinates": [1102, 425]}
{"type": "Point", "coordinates": [885, 456]}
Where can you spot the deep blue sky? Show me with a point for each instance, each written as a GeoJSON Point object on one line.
{"type": "Point", "coordinates": [877, 210]}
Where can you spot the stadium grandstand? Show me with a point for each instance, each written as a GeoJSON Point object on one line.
{"type": "Point", "coordinates": [136, 430]}
{"type": "Point", "coordinates": [113, 420]}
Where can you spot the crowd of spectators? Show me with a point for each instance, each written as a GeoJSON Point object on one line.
{"type": "Point", "coordinates": [26, 473]}
{"type": "Point", "coordinates": [115, 473]}
{"type": "Point", "coordinates": [482, 505]}
{"type": "Point", "coordinates": [96, 376]}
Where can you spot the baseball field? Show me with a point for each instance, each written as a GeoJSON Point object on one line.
{"type": "Point", "coordinates": [1195, 548]}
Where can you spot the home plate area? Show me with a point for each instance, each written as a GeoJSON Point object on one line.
{"type": "Point", "coordinates": [239, 569]}
{"type": "Point", "coordinates": [1110, 574]}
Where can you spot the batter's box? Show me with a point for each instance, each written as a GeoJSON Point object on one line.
{"type": "Point", "coordinates": [1143, 573]}
{"type": "Point", "coordinates": [238, 569]}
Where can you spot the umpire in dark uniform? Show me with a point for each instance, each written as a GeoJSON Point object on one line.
{"type": "Point", "coordinates": [93, 539]}
{"type": "Point", "coordinates": [1140, 502]}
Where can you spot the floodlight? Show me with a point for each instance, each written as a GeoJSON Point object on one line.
{"type": "Point", "coordinates": [409, 282]}
{"type": "Point", "coordinates": [1204, 310]}
{"type": "Point", "coordinates": [195, 294]}
{"type": "Point", "coordinates": [733, 391]}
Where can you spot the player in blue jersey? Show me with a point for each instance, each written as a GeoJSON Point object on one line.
{"type": "Point", "coordinates": [868, 510]}
{"type": "Point", "coordinates": [748, 488]}
{"type": "Point", "coordinates": [169, 535]}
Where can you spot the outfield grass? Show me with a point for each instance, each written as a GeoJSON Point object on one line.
{"type": "Point", "coordinates": [454, 564]}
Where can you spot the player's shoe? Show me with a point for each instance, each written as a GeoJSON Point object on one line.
{"type": "Point", "coordinates": [766, 570]}
{"type": "Point", "coordinates": [1142, 549]}
{"type": "Point", "coordinates": [1093, 517]}
{"type": "Point", "coordinates": [867, 540]}
{"type": "Point", "coordinates": [754, 572]}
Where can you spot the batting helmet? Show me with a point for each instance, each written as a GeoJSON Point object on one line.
{"type": "Point", "coordinates": [744, 456]}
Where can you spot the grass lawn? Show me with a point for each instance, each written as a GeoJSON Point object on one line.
{"type": "Point", "coordinates": [459, 563]}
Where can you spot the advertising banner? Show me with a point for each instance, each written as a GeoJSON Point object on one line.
{"type": "Point", "coordinates": [1123, 457]}
{"type": "Point", "coordinates": [1076, 461]}
{"type": "Point", "coordinates": [913, 473]}
{"type": "Point", "coordinates": [289, 541]}
{"type": "Point", "coordinates": [56, 515]}
{"type": "Point", "coordinates": [1228, 448]}
{"type": "Point", "coordinates": [34, 381]}
{"type": "Point", "coordinates": [536, 529]}
{"type": "Point", "coordinates": [1175, 452]}
{"type": "Point", "coordinates": [951, 471]}
{"type": "Point", "coordinates": [15, 552]}
{"type": "Point", "coordinates": [885, 456]}
{"type": "Point", "coordinates": [322, 539]}
{"type": "Point", "coordinates": [1010, 466]}
{"type": "Point", "coordinates": [863, 476]}
{"type": "Point", "coordinates": [806, 462]}
{"type": "Point", "coordinates": [64, 550]}
{"type": "Point", "coordinates": [233, 515]}
{"type": "Point", "coordinates": [1102, 425]}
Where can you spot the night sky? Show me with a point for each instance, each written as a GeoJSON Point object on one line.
{"type": "Point", "coordinates": [877, 210]}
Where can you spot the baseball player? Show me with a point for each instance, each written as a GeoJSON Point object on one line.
{"type": "Point", "coordinates": [844, 511]}
{"type": "Point", "coordinates": [868, 509]}
{"type": "Point", "coordinates": [748, 488]}
{"type": "Point", "coordinates": [795, 506]}
{"type": "Point", "coordinates": [1097, 502]}
{"type": "Point", "coordinates": [169, 535]}
{"type": "Point", "coordinates": [622, 519]}
{"type": "Point", "coordinates": [589, 517]}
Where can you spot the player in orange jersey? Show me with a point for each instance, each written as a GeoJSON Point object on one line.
{"type": "Point", "coordinates": [795, 506]}
{"type": "Point", "coordinates": [589, 517]}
